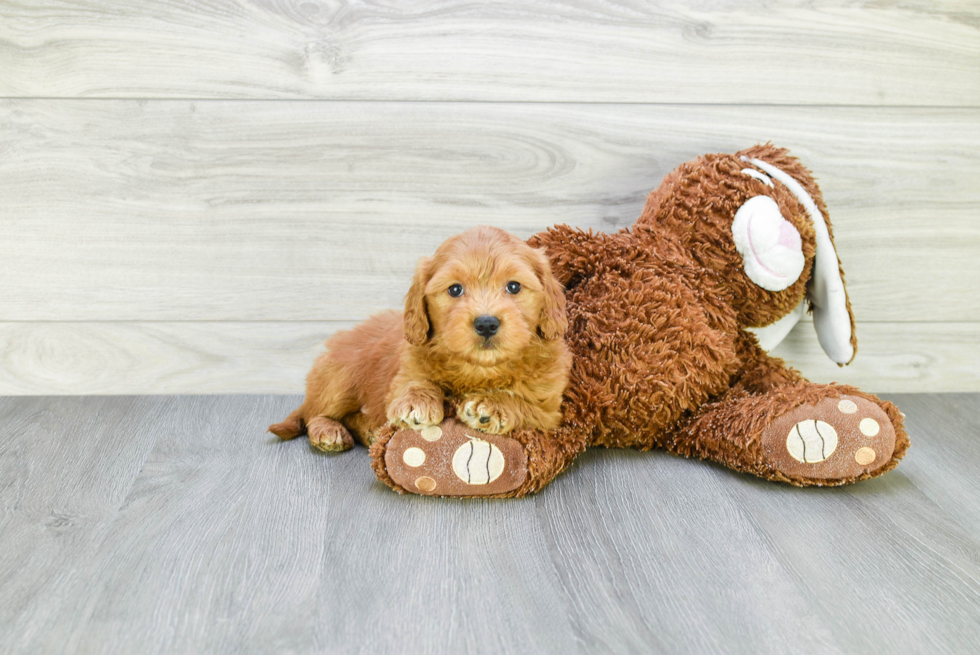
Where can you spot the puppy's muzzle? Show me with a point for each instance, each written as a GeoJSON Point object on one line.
{"type": "Point", "coordinates": [486, 326]}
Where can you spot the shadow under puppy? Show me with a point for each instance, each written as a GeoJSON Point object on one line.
{"type": "Point", "coordinates": [483, 327]}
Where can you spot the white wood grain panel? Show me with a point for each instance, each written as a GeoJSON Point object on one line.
{"type": "Point", "coordinates": [894, 357]}
{"type": "Point", "coordinates": [177, 210]}
{"type": "Point", "coordinates": [65, 358]}
{"type": "Point", "coordinates": [912, 53]}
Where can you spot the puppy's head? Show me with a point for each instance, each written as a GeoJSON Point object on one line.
{"type": "Point", "coordinates": [483, 297]}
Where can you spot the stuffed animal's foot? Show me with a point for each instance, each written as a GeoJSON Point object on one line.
{"type": "Point", "coordinates": [452, 459]}
{"type": "Point", "coordinates": [834, 439]}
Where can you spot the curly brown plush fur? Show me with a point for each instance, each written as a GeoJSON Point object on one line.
{"type": "Point", "coordinates": [661, 356]}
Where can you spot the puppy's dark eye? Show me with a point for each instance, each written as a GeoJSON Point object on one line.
{"type": "Point", "coordinates": [513, 287]}
{"type": "Point", "coordinates": [456, 290]}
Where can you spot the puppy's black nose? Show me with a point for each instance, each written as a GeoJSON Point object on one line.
{"type": "Point", "coordinates": [486, 326]}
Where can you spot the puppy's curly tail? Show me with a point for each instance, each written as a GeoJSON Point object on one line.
{"type": "Point", "coordinates": [293, 426]}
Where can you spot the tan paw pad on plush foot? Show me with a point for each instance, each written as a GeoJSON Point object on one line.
{"type": "Point", "coordinates": [833, 439]}
{"type": "Point", "coordinates": [451, 459]}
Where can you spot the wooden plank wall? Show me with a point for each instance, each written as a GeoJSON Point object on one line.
{"type": "Point", "coordinates": [194, 194]}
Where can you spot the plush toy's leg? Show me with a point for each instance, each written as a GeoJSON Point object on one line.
{"type": "Point", "coordinates": [451, 459]}
{"type": "Point", "coordinates": [778, 426]}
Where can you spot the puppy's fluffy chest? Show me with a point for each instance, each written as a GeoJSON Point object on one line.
{"type": "Point", "coordinates": [458, 377]}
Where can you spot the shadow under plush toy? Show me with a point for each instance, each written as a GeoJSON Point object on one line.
{"type": "Point", "coordinates": [662, 358]}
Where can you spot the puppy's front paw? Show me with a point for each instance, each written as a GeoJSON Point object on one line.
{"type": "Point", "coordinates": [416, 409]}
{"type": "Point", "coordinates": [488, 414]}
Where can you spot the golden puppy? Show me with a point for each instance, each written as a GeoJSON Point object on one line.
{"type": "Point", "coordinates": [483, 324]}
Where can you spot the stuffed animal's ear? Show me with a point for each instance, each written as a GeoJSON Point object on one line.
{"type": "Point", "coordinates": [416, 321]}
{"type": "Point", "coordinates": [772, 335]}
{"type": "Point", "coordinates": [553, 322]}
{"type": "Point", "coordinates": [771, 249]}
{"type": "Point", "coordinates": [832, 317]}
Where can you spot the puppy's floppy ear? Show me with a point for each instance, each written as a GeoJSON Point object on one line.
{"type": "Point", "coordinates": [416, 321]}
{"type": "Point", "coordinates": [553, 322]}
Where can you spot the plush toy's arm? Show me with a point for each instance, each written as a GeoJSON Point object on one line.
{"type": "Point", "coordinates": [572, 252]}
{"type": "Point", "coordinates": [761, 372]}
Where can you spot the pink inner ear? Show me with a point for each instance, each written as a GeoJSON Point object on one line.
{"type": "Point", "coordinates": [789, 237]}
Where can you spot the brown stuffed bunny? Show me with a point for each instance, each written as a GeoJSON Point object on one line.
{"type": "Point", "coordinates": [658, 317]}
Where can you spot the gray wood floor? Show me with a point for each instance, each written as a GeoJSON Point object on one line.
{"type": "Point", "coordinates": [172, 524]}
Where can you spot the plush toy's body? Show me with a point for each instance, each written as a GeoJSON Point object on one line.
{"type": "Point", "coordinates": [661, 354]}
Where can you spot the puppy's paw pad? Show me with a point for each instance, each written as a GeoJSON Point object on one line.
{"type": "Point", "coordinates": [833, 439]}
